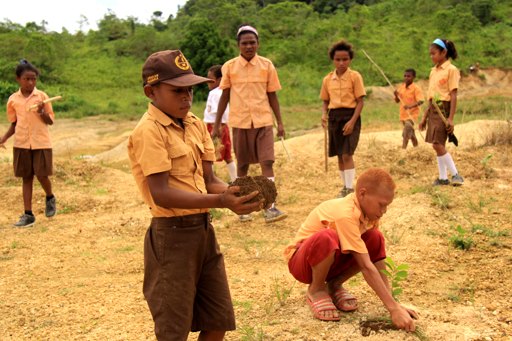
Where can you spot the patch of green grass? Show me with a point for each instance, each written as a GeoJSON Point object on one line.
{"type": "Point", "coordinates": [459, 240]}
{"type": "Point", "coordinates": [478, 205]}
{"type": "Point", "coordinates": [245, 305]}
{"type": "Point", "coordinates": [216, 214]}
{"type": "Point", "coordinates": [440, 199]}
{"type": "Point", "coordinates": [281, 290]}
{"type": "Point", "coordinates": [250, 333]}
{"type": "Point", "coordinates": [128, 248]}
{"type": "Point", "coordinates": [489, 232]}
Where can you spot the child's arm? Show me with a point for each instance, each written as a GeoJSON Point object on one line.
{"type": "Point", "coordinates": [274, 104]}
{"type": "Point", "coordinates": [423, 123]}
{"type": "Point", "coordinates": [165, 196]}
{"type": "Point", "coordinates": [401, 317]}
{"type": "Point", "coordinates": [8, 134]}
{"type": "Point", "coordinates": [397, 99]}
{"type": "Point", "coordinates": [325, 111]}
{"type": "Point", "coordinates": [221, 108]}
{"type": "Point", "coordinates": [348, 128]}
{"type": "Point", "coordinates": [45, 116]}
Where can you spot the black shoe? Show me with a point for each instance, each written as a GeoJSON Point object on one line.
{"type": "Point", "coordinates": [51, 207]}
{"type": "Point", "coordinates": [441, 182]}
{"type": "Point", "coordinates": [26, 220]}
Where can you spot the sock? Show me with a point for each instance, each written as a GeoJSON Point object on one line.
{"type": "Point", "coordinates": [273, 179]}
{"type": "Point", "coordinates": [350, 174]}
{"type": "Point", "coordinates": [342, 177]}
{"type": "Point", "coordinates": [48, 197]}
{"type": "Point", "coordinates": [231, 170]}
{"type": "Point", "coordinates": [29, 212]}
{"type": "Point", "coordinates": [448, 162]}
{"type": "Point", "coordinates": [442, 168]}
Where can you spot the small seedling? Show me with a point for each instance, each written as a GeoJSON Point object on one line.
{"type": "Point", "coordinates": [460, 240]}
{"type": "Point", "coordinates": [396, 274]}
{"type": "Point", "coordinates": [281, 292]}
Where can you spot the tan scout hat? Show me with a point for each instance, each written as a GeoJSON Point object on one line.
{"type": "Point", "coordinates": [170, 67]}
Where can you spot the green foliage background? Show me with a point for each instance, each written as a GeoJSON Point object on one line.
{"type": "Point", "coordinates": [99, 71]}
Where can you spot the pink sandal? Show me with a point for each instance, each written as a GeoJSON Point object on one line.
{"type": "Point", "coordinates": [340, 298]}
{"type": "Point", "coordinates": [320, 305]}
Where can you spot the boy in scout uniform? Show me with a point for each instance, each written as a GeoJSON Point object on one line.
{"type": "Point", "coordinates": [249, 83]}
{"type": "Point", "coordinates": [171, 156]}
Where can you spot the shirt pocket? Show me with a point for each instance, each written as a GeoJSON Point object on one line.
{"type": "Point", "coordinates": [182, 162]}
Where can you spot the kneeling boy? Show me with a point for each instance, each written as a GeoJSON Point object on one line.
{"type": "Point", "coordinates": [340, 238]}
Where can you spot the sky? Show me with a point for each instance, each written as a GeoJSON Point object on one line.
{"type": "Point", "coordinates": [67, 13]}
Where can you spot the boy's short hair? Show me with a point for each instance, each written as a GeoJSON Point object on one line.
{"type": "Point", "coordinates": [374, 178]}
{"type": "Point", "coordinates": [25, 65]}
{"type": "Point", "coordinates": [170, 67]}
{"type": "Point", "coordinates": [216, 70]}
{"type": "Point", "coordinates": [412, 71]}
{"type": "Point", "coordinates": [342, 45]}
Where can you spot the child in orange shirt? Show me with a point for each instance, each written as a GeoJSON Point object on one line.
{"type": "Point", "coordinates": [32, 149]}
{"type": "Point", "coordinates": [342, 94]}
{"type": "Point", "coordinates": [341, 238]}
{"type": "Point", "coordinates": [410, 97]}
{"type": "Point", "coordinates": [443, 83]}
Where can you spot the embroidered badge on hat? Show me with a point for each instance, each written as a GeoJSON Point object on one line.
{"type": "Point", "coordinates": [170, 67]}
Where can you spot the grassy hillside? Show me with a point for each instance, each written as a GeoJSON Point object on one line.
{"type": "Point", "coordinates": [98, 72]}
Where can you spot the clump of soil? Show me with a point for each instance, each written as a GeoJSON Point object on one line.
{"type": "Point", "coordinates": [266, 188]}
{"type": "Point", "coordinates": [375, 325]}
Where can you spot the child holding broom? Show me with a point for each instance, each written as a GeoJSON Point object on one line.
{"type": "Point", "coordinates": [342, 94]}
{"type": "Point", "coordinates": [32, 149]}
{"type": "Point", "coordinates": [410, 97]}
{"type": "Point", "coordinates": [443, 84]}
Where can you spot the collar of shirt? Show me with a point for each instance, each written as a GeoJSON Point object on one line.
{"type": "Point", "coordinates": [19, 93]}
{"type": "Point", "coordinates": [253, 60]}
{"type": "Point", "coordinates": [165, 120]}
{"type": "Point", "coordinates": [443, 66]}
{"type": "Point", "coordinates": [362, 218]}
{"type": "Point", "coordinates": [343, 76]}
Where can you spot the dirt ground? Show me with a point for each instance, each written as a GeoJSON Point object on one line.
{"type": "Point", "coordinates": [78, 276]}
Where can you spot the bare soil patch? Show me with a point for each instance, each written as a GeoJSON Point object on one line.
{"type": "Point", "coordinates": [78, 276]}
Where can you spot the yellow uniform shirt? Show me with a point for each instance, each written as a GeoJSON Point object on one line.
{"type": "Point", "coordinates": [342, 92]}
{"type": "Point", "coordinates": [249, 82]}
{"type": "Point", "coordinates": [158, 144]}
{"type": "Point", "coordinates": [409, 95]}
{"type": "Point", "coordinates": [31, 131]}
{"type": "Point", "coordinates": [343, 215]}
{"type": "Point", "coordinates": [442, 80]}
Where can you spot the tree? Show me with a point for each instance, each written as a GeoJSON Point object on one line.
{"type": "Point", "coordinates": [204, 46]}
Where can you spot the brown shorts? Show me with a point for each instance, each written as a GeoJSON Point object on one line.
{"type": "Point", "coordinates": [339, 144]}
{"type": "Point", "coordinates": [436, 130]}
{"type": "Point", "coordinates": [185, 281]}
{"type": "Point", "coordinates": [30, 162]}
{"type": "Point", "coordinates": [253, 145]}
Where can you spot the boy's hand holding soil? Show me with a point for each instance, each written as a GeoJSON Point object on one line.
{"type": "Point", "coordinates": [241, 202]}
{"type": "Point", "coordinates": [264, 188]}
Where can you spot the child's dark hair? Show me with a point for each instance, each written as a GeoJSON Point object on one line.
{"type": "Point", "coordinates": [216, 70]}
{"type": "Point", "coordinates": [411, 71]}
{"type": "Point", "coordinates": [240, 33]}
{"type": "Point", "coordinates": [23, 66]}
{"type": "Point", "coordinates": [342, 45]}
{"type": "Point", "coordinates": [451, 52]}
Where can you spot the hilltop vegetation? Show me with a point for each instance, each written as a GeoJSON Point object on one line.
{"type": "Point", "coordinates": [98, 71]}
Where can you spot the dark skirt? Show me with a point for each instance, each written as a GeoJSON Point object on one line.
{"type": "Point", "coordinates": [338, 143]}
{"type": "Point", "coordinates": [436, 129]}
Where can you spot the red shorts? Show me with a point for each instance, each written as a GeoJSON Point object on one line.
{"type": "Point", "coordinates": [225, 140]}
{"type": "Point", "coordinates": [319, 246]}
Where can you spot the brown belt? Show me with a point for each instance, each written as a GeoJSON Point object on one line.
{"type": "Point", "coordinates": [184, 221]}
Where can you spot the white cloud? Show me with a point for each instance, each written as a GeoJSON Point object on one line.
{"type": "Point", "coordinates": [66, 13]}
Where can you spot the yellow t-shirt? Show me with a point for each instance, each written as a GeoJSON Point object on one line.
{"type": "Point", "coordinates": [343, 215]}
{"type": "Point", "coordinates": [409, 96]}
{"type": "Point", "coordinates": [342, 92]}
{"type": "Point", "coordinates": [31, 131]}
{"type": "Point", "coordinates": [249, 82]}
{"type": "Point", "coordinates": [443, 80]}
{"type": "Point", "coordinates": [158, 144]}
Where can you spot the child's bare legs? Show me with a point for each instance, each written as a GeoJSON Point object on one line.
{"type": "Point", "coordinates": [439, 148]}
{"type": "Point", "coordinates": [46, 184]}
{"type": "Point", "coordinates": [337, 283]}
{"type": "Point", "coordinates": [27, 192]}
{"type": "Point", "coordinates": [212, 335]}
{"type": "Point", "coordinates": [267, 168]}
{"type": "Point", "coordinates": [318, 287]}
